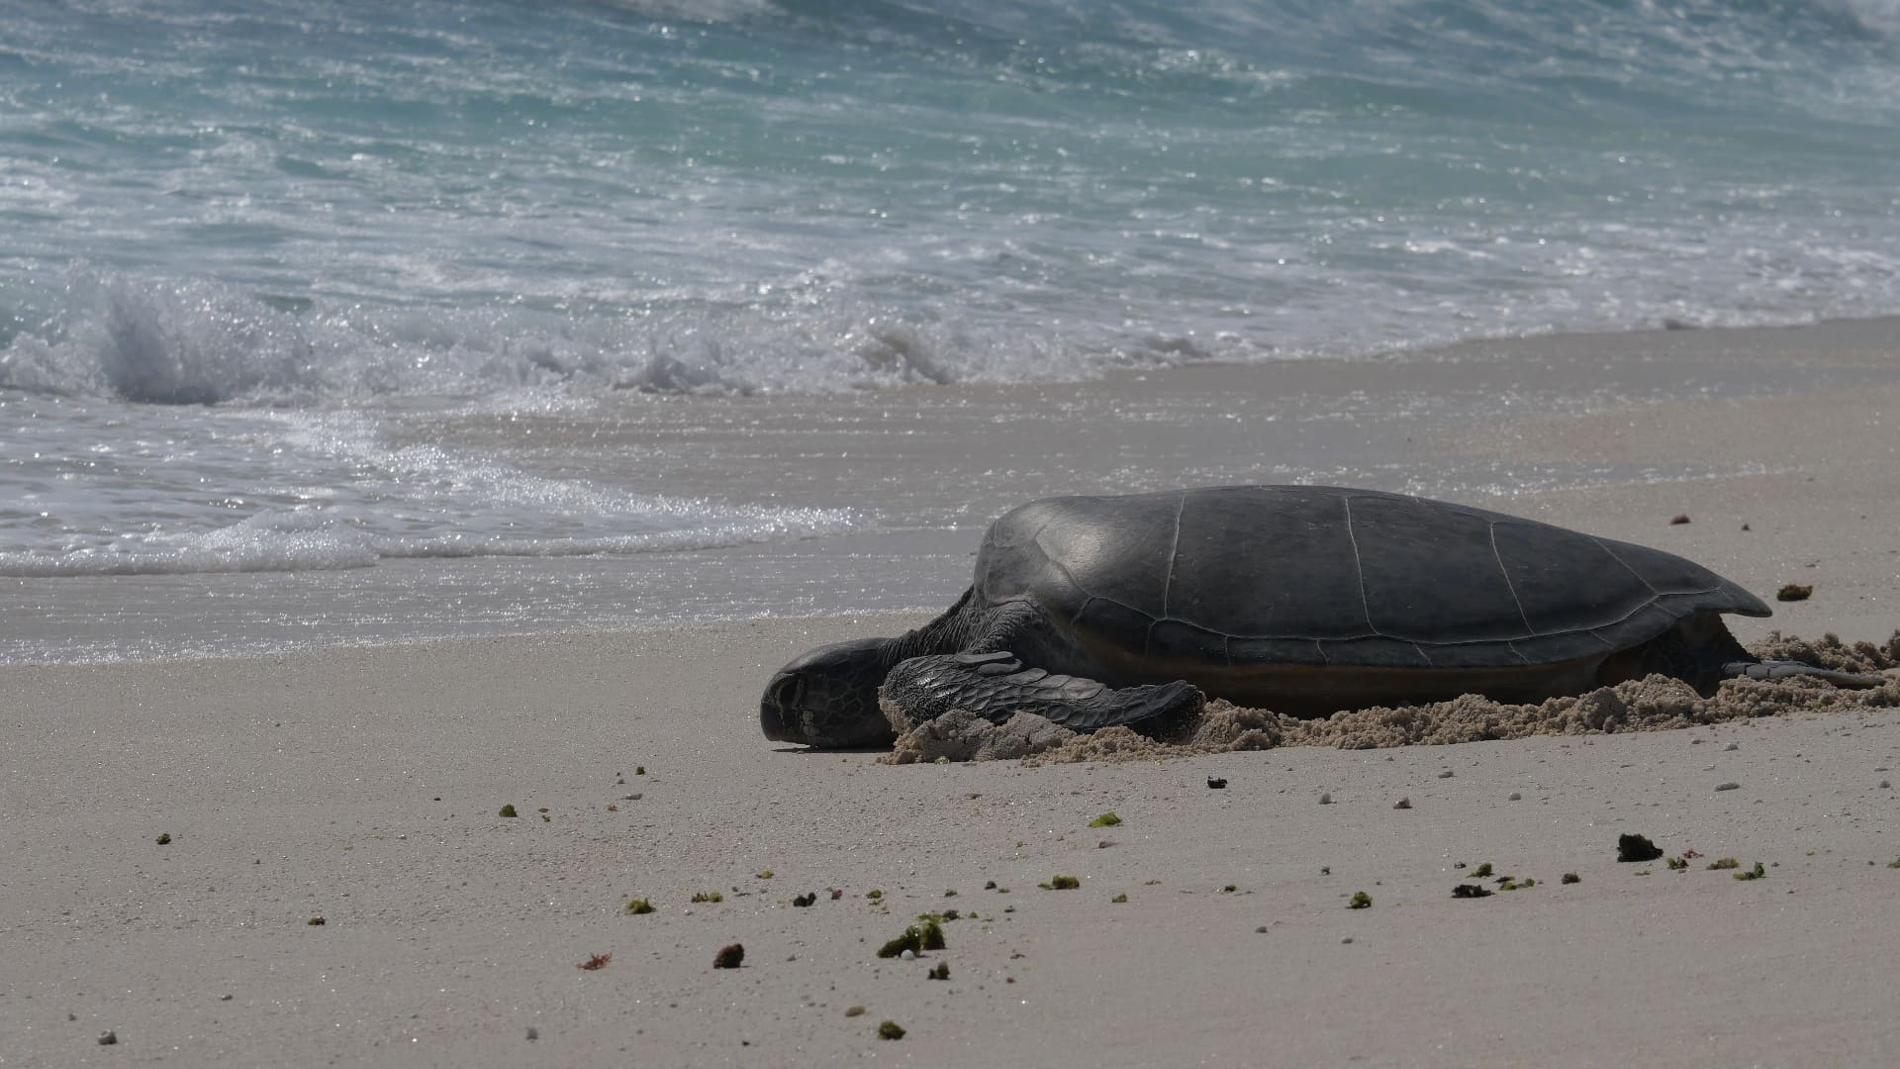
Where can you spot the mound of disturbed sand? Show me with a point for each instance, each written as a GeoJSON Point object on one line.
{"type": "Point", "coordinates": [1657, 703]}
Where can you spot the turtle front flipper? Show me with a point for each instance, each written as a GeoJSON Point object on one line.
{"type": "Point", "coordinates": [1788, 669]}
{"type": "Point", "coordinates": [996, 686]}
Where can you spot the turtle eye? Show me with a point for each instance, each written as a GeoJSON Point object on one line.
{"type": "Point", "coordinates": [788, 692]}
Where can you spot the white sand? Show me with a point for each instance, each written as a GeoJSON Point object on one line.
{"type": "Point", "coordinates": [363, 786]}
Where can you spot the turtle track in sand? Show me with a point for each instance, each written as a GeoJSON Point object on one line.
{"type": "Point", "coordinates": [1657, 703]}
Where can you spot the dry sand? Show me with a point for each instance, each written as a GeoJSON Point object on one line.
{"type": "Point", "coordinates": [364, 786]}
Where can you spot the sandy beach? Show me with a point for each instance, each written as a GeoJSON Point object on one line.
{"type": "Point", "coordinates": [364, 787]}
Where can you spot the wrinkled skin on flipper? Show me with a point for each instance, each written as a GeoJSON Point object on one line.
{"type": "Point", "coordinates": [1790, 669]}
{"type": "Point", "coordinates": [832, 697]}
{"type": "Point", "coordinates": [996, 686]}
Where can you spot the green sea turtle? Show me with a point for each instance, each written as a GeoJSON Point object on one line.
{"type": "Point", "coordinates": [1094, 611]}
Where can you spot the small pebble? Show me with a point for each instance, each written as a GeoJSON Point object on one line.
{"type": "Point", "coordinates": [1516, 797]}
{"type": "Point", "coordinates": [729, 957]}
{"type": "Point", "coordinates": [1326, 799]}
{"type": "Point", "coordinates": [1678, 519]}
{"type": "Point", "coordinates": [1262, 929]}
{"type": "Point", "coordinates": [854, 1011]}
{"type": "Point", "coordinates": [1403, 803]}
{"type": "Point", "coordinates": [108, 1039]}
{"type": "Point", "coordinates": [1884, 785]}
{"type": "Point", "coordinates": [1214, 784]}
{"type": "Point", "coordinates": [1445, 774]}
{"type": "Point", "coordinates": [908, 955]}
{"type": "Point", "coordinates": [1727, 786]}
{"type": "Point", "coordinates": [532, 1034]}
{"type": "Point", "coordinates": [1733, 746]}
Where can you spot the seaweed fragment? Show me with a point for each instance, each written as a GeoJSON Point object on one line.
{"type": "Point", "coordinates": [1470, 890]}
{"type": "Point", "coordinates": [638, 906]}
{"type": "Point", "coordinates": [1106, 820]}
{"type": "Point", "coordinates": [890, 1030]}
{"type": "Point", "coordinates": [1360, 900]}
{"type": "Point", "coordinates": [926, 934]}
{"type": "Point", "coordinates": [1061, 883]}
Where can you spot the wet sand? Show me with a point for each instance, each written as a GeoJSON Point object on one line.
{"type": "Point", "coordinates": [363, 786]}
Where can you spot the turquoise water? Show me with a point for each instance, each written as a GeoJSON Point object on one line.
{"type": "Point", "coordinates": [321, 219]}
{"type": "Point", "coordinates": [209, 201]}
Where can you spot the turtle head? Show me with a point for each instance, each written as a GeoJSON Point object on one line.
{"type": "Point", "coordinates": [828, 697]}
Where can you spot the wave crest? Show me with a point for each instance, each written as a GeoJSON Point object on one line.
{"type": "Point", "coordinates": [199, 343]}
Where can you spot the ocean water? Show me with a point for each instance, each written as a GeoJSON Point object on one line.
{"type": "Point", "coordinates": [289, 287]}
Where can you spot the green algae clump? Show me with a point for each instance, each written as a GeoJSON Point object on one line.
{"type": "Point", "coordinates": [926, 934]}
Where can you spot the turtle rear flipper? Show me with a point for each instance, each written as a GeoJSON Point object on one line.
{"type": "Point", "coordinates": [1788, 669]}
{"type": "Point", "coordinates": [996, 686]}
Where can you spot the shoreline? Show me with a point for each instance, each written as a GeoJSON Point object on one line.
{"type": "Point", "coordinates": [1565, 428]}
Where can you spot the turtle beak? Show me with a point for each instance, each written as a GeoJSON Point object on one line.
{"type": "Point", "coordinates": [780, 699]}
